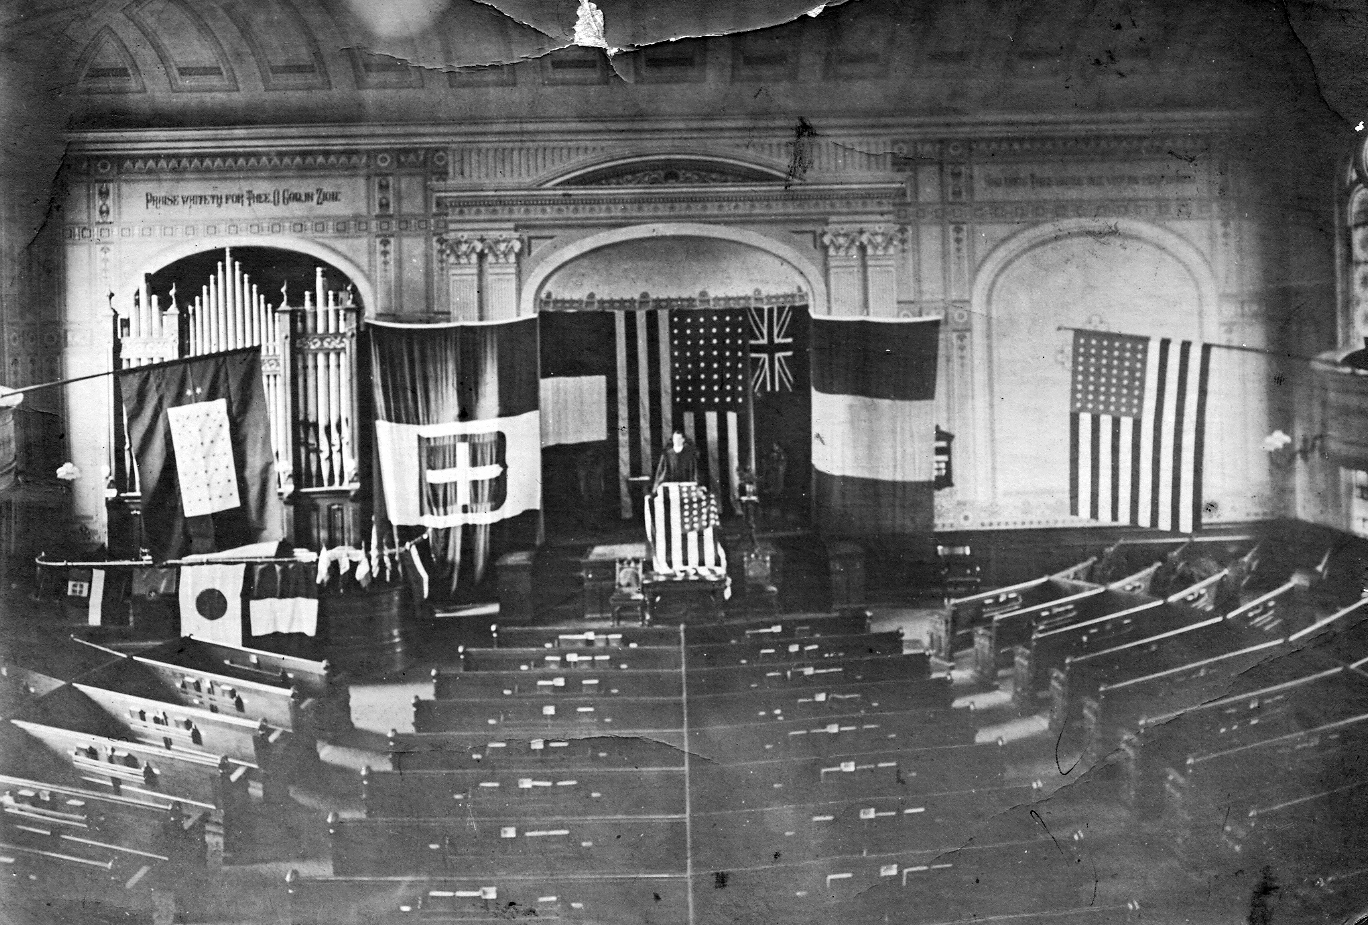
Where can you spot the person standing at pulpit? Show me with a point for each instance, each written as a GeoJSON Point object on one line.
{"type": "Point", "coordinates": [679, 462]}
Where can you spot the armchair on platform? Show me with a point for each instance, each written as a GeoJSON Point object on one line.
{"type": "Point", "coordinates": [628, 598]}
{"type": "Point", "coordinates": [958, 571]}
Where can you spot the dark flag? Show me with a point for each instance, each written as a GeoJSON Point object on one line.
{"type": "Point", "coordinates": [1136, 425]}
{"type": "Point", "coordinates": [9, 448]}
{"type": "Point", "coordinates": [873, 429]}
{"type": "Point", "coordinates": [458, 430]}
{"type": "Point", "coordinates": [201, 439]}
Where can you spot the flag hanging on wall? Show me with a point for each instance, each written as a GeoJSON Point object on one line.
{"type": "Point", "coordinates": [1136, 422]}
{"type": "Point", "coordinates": [211, 602]}
{"type": "Point", "coordinates": [630, 377]}
{"type": "Point", "coordinates": [201, 439]}
{"type": "Point", "coordinates": [458, 430]}
{"type": "Point", "coordinates": [873, 427]}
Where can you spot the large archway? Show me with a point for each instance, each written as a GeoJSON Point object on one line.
{"type": "Point", "coordinates": [619, 372]}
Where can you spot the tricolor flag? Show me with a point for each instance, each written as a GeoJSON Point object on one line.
{"type": "Point", "coordinates": [682, 531]}
{"type": "Point", "coordinates": [1136, 424]}
{"type": "Point", "coordinates": [97, 596]}
{"type": "Point", "coordinates": [873, 429]}
{"type": "Point", "coordinates": [458, 433]}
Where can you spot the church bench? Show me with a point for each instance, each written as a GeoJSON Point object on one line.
{"type": "Point", "coordinates": [416, 751]}
{"type": "Point", "coordinates": [1048, 648]}
{"type": "Point", "coordinates": [960, 615]}
{"type": "Point", "coordinates": [930, 696]}
{"type": "Point", "coordinates": [608, 899]}
{"type": "Point", "coordinates": [98, 755]}
{"type": "Point", "coordinates": [19, 686]}
{"type": "Point", "coordinates": [1004, 632]}
{"type": "Point", "coordinates": [1015, 878]}
{"type": "Point", "coordinates": [752, 735]}
{"type": "Point", "coordinates": [736, 679]}
{"type": "Point", "coordinates": [160, 827]}
{"type": "Point", "coordinates": [1305, 832]}
{"type": "Point", "coordinates": [272, 755]}
{"type": "Point", "coordinates": [1082, 676]}
{"type": "Point", "coordinates": [496, 791]}
{"type": "Point", "coordinates": [307, 699]}
{"type": "Point", "coordinates": [700, 657]}
{"type": "Point", "coordinates": [508, 844]}
{"type": "Point", "coordinates": [65, 886]}
{"type": "Point", "coordinates": [743, 836]}
{"type": "Point", "coordinates": [798, 626]}
{"type": "Point", "coordinates": [1178, 771]}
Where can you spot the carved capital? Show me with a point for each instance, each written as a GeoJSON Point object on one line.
{"type": "Point", "coordinates": [841, 242]}
{"type": "Point", "coordinates": [503, 248]}
{"type": "Point", "coordinates": [882, 241]}
{"type": "Point", "coordinates": [460, 248]}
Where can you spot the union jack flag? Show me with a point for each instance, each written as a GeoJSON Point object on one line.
{"type": "Point", "coordinates": [771, 349]}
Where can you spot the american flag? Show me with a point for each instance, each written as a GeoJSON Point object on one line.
{"type": "Point", "coordinates": [771, 350]}
{"type": "Point", "coordinates": [682, 528]}
{"type": "Point", "coordinates": [1136, 430]}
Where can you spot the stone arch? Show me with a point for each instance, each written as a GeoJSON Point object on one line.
{"type": "Point", "coordinates": [132, 281]}
{"type": "Point", "coordinates": [747, 170]}
{"type": "Point", "coordinates": [998, 261]}
{"type": "Point", "coordinates": [559, 257]}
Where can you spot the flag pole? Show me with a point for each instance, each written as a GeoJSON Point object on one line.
{"type": "Point", "coordinates": [1241, 348]}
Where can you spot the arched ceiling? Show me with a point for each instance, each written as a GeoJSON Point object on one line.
{"type": "Point", "coordinates": [130, 63]}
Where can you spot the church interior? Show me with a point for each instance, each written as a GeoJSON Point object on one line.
{"type": "Point", "coordinates": [474, 460]}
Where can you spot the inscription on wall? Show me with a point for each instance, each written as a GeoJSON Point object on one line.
{"type": "Point", "coordinates": [280, 196]}
{"type": "Point", "coordinates": [1138, 180]}
{"type": "Point", "coordinates": [276, 197]}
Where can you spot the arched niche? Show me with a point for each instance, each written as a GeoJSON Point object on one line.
{"type": "Point", "coordinates": [1114, 275]}
{"type": "Point", "coordinates": [554, 259]}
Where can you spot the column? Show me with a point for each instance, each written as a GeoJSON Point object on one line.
{"type": "Point", "coordinates": [501, 275]}
{"type": "Point", "coordinates": [882, 246]}
{"type": "Point", "coordinates": [461, 254]}
{"type": "Point", "coordinates": [844, 284]}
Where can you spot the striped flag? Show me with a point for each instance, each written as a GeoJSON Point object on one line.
{"type": "Point", "coordinates": [1136, 430]}
{"type": "Point", "coordinates": [676, 549]}
{"type": "Point", "coordinates": [658, 384]}
{"type": "Point", "coordinates": [873, 430]}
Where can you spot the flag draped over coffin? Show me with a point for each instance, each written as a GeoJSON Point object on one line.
{"type": "Point", "coordinates": [1136, 429]}
{"type": "Point", "coordinates": [682, 530]}
{"type": "Point", "coordinates": [630, 377]}
{"type": "Point", "coordinates": [201, 439]}
{"type": "Point", "coordinates": [873, 430]}
{"type": "Point", "coordinates": [458, 431]}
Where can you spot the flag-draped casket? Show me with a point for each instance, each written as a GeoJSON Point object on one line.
{"type": "Point", "coordinates": [201, 440]}
{"type": "Point", "coordinates": [457, 430]}
{"type": "Point", "coordinates": [873, 428]}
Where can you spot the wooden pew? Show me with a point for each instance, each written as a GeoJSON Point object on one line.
{"type": "Point", "coordinates": [927, 693]}
{"type": "Point", "coordinates": [491, 846]}
{"type": "Point", "coordinates": [48, 885]}
{"type": "Point", "coordinates": [19, 686]}
{"type": "Point", "coordinates": [1118, 707]}
{"type": "Point", "coordinates": [221, 679]}
{"type": "Point", "coordinates": [98, 751]}
{"type": "Point", "coordinates": [698, 657]}
{"type": "Point", "coordinates": [622, 899]}
{"type": "Point", "coordinates": [961, 615]}
{"type": "Point", "coordinates": [664, 720]}
{"type": "Point", "coordinates": [1049, 647]}
{"type": "Point", "coordinates": [908, 769]}
{"type": "Point", "coordinates": [269, 754]}
{"type": "Point", "coordinates": [1001, 635]}
{"type": "Point", "coordinates": [160, 827]}
{"type": "Point", "coordinates": [1212, 778]}
{"type": "Point", "coordinates": [734, 680]}
{"type": "Point", "coordinates": [499, 791]}
{"type": "Point", "coordinates": [799, 626]}
{"type": "Point", "coordinates": [1264, 618]}
{"type": "Point", "coordinates": [1302, 831]}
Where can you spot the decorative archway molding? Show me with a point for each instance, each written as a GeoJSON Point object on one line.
{"type": "Point", "coordinates": [554, 259]}
{"type": "Point", "coordinates": [132, 281]}
{"type": "Point", "coordinates": [1002, 257]}
{"type": "Point", "coordinates": [745, 170]}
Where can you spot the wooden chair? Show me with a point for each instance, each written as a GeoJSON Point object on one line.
{"type": "Point", "coordinates": [959, 572]}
